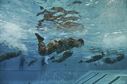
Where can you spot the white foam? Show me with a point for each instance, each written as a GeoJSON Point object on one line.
{"type": "Point", "coordinates": [114, 40]}
{"type": "Point", "coordinates": [11, 35]}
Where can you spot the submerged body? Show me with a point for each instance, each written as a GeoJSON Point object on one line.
{"type": "Point", "coordinates": [57, 46]}
{"type": "Point", "coordinates": [92, 58]}
{"type": "Point", "coordinates": [109, 60]}
{"type": "Point", "coordinates": [9, 55]}
{"type": "Point", "coordinates": [61, 58]}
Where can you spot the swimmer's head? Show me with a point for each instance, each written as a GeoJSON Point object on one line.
{"type": "Point", "coordinates": [80, 42]}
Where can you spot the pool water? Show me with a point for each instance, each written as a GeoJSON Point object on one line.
{"type": "Point", "coordinates": [104, 28]}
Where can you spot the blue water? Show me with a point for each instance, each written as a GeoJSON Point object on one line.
{"type": "Point", "coordinates": [104, 27]}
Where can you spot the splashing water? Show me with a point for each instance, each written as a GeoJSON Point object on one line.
{"type": "Point", "coordinates": [11, 35]}
{"type": "Point", "coordinates": [115, 40]}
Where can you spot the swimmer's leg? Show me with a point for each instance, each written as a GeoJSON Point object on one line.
{"type": "Point", "coordinates": [52, 56]}
{"type": "Point", "coordinates": [46, 58]}
{"type": "Point", "coordinates": [39, 38]}
{"type": "Point", "coordinates": [49, 57]}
